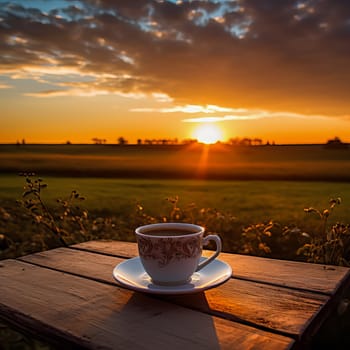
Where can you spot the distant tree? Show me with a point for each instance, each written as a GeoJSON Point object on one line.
{"type": "Point", "coordinates": [139, 141]}
{"type": "Point", "coordinates": [122, 141]}
{"type": "Point", "coordinates": [257, 142]}
{"type": "Point", "coordinates": [68, 142]}
{"type": "Point", "coordinates": [159, 141]}
{"type": "Point", "coordinates": [233, 141]}
{"type": "Point", "coordinates": [189, 141]}
{"type": "Point", "coordinates": [246, 142]}
{"type": "Point", "coordinates": [335, 143]}
{"type": "Point", "coordinates": [97, 141]}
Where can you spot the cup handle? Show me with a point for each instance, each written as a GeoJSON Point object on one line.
{"type": "Point", "coordinates": [206, 240]}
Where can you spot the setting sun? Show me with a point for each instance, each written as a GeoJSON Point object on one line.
{"type": "Point", "coordinates": [208, 134]}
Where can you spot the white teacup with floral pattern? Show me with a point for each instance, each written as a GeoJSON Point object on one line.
{"type": "Point", "coordinates": [170, 252]}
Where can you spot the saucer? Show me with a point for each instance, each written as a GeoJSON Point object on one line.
{"type": "Point", "coordinates": [131, 274]}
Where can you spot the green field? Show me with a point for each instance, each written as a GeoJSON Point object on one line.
{"type": "Point", "coordinates": [233, 186]}
{"type": "Point", "coordinates": [228, 206]}
{"type": "Point", "coordinates": [215, 162]}
{"type": "Point", "coordinates": [283, 180]}
{"type": "Point", "coordinates": [249, 201]}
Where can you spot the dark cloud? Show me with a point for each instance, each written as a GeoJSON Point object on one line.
{"type": "Point", "coordinates": [277, 55]}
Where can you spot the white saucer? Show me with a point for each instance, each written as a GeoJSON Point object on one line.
{"type": "Point", "coordinates": [130, 273]}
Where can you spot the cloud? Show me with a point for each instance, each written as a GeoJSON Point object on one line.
{"type": "Point", "coordinates": [242, 114]}
{"type": "Point", "coordinates": [71, 92]}
{"type": "Point", "coordinates": [221, 116]}
{"type": "Point", "coordinates": [221, 119]}
{"type": "Point", "coordinates": [268, 55]}
{"type": "Point", "coordinates": [160, 97]}
{"type": "Point", "coordinates": [185, 109]}
{"type": "Point", "coordinates": [5, 86]}
{"type": "Point", "coordinates": [87, 92]}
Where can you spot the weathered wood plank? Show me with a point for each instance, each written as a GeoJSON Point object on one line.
{"type": "Point", "coordinates": [87, 264]}
{"type": "Point", "coordinates": [314, 277]}
{"type": "Point", "coordinates": [269, 306]}
{"type": "Point", "coordinates": [96, 315]}
{"type": "Point", "coordinates": [116, 248]}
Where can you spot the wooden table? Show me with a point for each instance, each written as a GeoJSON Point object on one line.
{"type": "Point", "coordinates": [69, 297]}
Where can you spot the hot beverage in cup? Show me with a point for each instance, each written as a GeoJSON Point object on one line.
{"type": "Point", "coordinates": [170, 252]}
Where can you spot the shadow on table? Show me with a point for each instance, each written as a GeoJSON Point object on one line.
{"type": "Point", "coordinates": [152, 322]}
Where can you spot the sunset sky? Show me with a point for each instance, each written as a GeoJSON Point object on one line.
{"type": "Point", "coordinates": [73, 70]}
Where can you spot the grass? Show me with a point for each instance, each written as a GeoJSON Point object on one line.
{"type": "Point", "coordinates": [249, 201]}
{"type": "Point", "coordinates": [224, 207]}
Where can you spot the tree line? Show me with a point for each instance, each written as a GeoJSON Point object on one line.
{"type": "Point", "coordinates": [246, 141]}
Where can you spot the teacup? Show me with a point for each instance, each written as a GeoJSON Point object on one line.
{"type": "Point", "coordinates": [170, 252]}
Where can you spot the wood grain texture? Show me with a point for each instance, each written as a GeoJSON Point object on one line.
{"type": "Point", "coordinates": [272, 307]}
{"type": "Point", "coordinates": [94, 266]}
{"type": "Point", "coordinates": [100, 316]}
{"type": "Point", "coordinates": [314, 277]}
{"type": "Point", "coordinates": [110, 247]}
